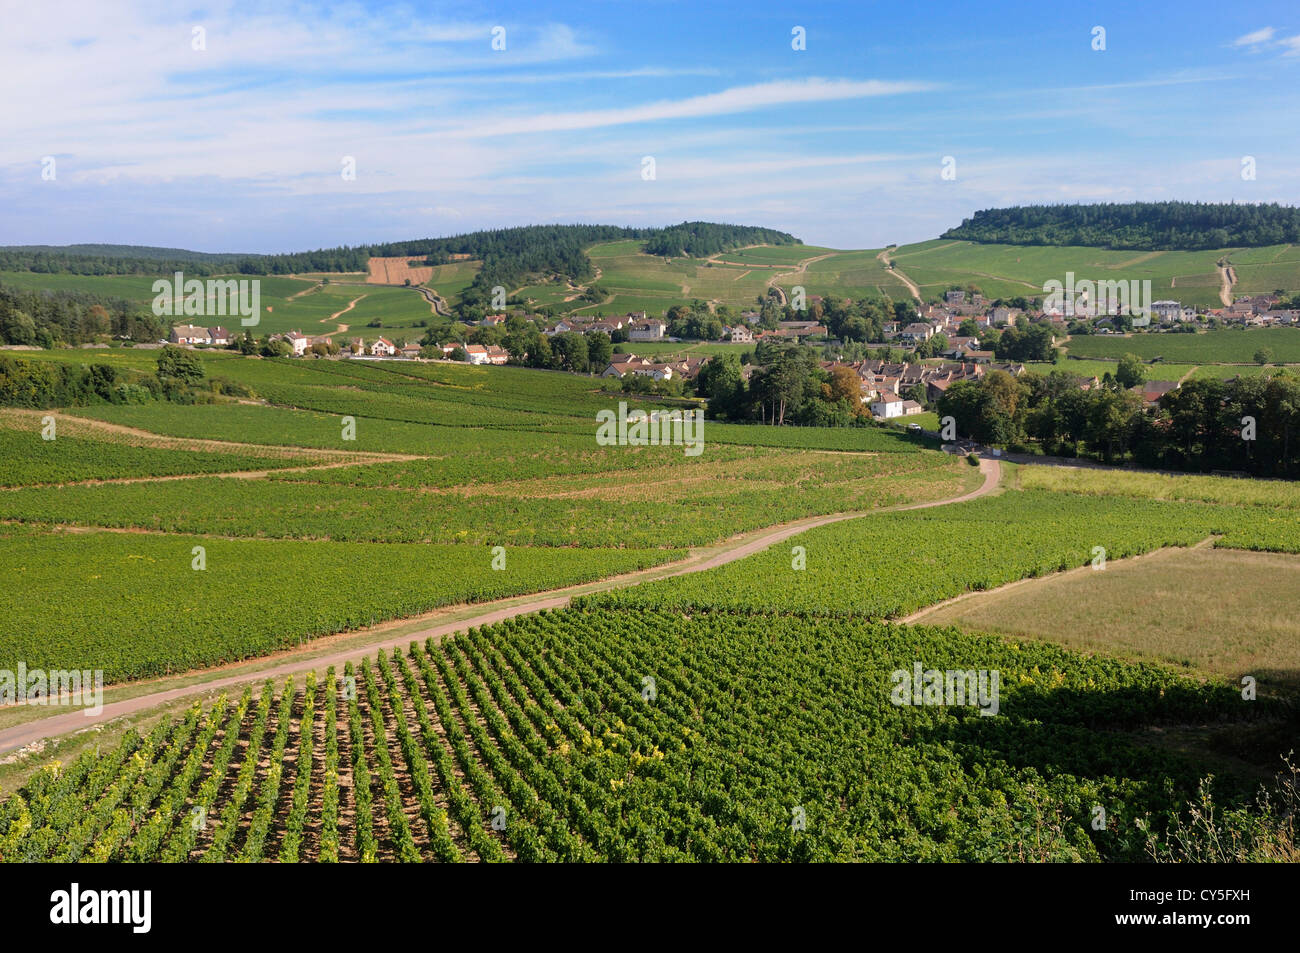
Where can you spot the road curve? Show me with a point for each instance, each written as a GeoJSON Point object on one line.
{"type": "Point", "coordinates": [76, 720]}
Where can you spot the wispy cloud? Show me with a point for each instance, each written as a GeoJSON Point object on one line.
{"type": "Point", "coordinates": [1256, 38]}
{"type": "Point", "coordinates": [735, 100]}
{"type": "Point", "coordinates": [1266, 38]}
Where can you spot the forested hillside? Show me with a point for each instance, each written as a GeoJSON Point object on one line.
{"type": "Point", "coordinates": [1137, 225]}
{"type": "Point", "coordinates": [508, 254]}
{"type": "Point", "coordinates": [702, 239]}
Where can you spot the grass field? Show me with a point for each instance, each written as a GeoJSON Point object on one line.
{"type": "Point", "coordinates": [1281, 495]}
{"type": "Point", "coordinates": [1230, 626]}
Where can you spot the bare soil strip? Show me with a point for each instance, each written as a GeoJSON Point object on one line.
{"type": "Point", "coordinates": [351, 304]}
{"type": "Point", "coordinates": [1227, 278]}
{"type": "Point", "coordinates": [911, 285]}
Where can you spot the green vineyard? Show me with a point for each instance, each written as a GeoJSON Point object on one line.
{"type": "Point", "coordinates": [619, 735]}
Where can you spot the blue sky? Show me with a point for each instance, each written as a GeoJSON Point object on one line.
{"type": "Point", "coordinates": [239, 146]}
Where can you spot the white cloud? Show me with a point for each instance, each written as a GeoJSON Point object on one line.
{"type": "Point", "coordinates": [1257, 38]}
{"type": "Point", "coordinates": [735, 100]}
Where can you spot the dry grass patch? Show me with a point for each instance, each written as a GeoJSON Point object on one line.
{"type": "Point", "coordinates": [1221, 611]}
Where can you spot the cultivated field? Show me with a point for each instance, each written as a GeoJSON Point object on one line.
{"type": "Point", "coordinates": [1209, 347]}
{"type": "Point", "coordinates": [1004, 271]}
{"type": "Point", "coordinates": [396, 271]}
{"type": "Point", "coordinates": [602, 735]}
{"type": "Point", "coordinates": [730, 662]}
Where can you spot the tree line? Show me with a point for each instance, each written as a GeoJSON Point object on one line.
{"type": "Point", "coordinates": [704, 239]}
{"type": "Point", "coordinates": [1136, 225]}
{"type": "Point", "coordinates": [1249, 424]}
{"type": "Point", "coordinates": [179, 377]}
{"type": "Point", "coordinates": [50, 318]}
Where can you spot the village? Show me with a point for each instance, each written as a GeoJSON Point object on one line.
{"type": "Point", "coordinates": [926, 355]}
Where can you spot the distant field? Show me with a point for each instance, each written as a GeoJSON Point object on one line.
{"type": "Point", "coordinates": [850, 274]}
{"type": "Point", "coordinates": [1211, 610]}
{"type": "Point", "coordinates": [396, 270]}
{"type": "Point", "coordinates": [1280, 495]}
{"type": "Point", "coordinates": [773, 255]}
{"type": "Point", "coordinates": [451, 279]}
{"type": "Point", "coordinates": [1262, 270]}
{"type": "Point", "coordinates": [1002, 271]}
{"type": "Point", "coordinates": [667, 349]}
{"type": "Point", "coordinates": [130, 287]}
{"type": "Point", "coordinates": [1160, 371]}
{"type": "Point", "coordinates": [1231, 347]}
{"type": "Point", "coordinates": [641, 282]}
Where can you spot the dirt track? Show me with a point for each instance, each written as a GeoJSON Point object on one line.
{"type": "Point", "coordinates": [75, 720]}
{"type": "Point", "coordinates": [911, 285]}
{"type": "Point", "coordinates": [1227, 278]}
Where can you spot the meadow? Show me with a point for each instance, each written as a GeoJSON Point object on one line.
{"type": "Point", "coordinates": [1093, 612]}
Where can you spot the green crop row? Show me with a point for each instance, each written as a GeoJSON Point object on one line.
{"type": "Point", "coordinates": [679, 510]}
{"type": "Point", "coordinates": [134, 605]}
{"type": "Point", "coordinates": [886, 565]}
{"type": "Point", "coordinates": [28, 460]}
{"type": "Point", "coordinates": [643, 735]}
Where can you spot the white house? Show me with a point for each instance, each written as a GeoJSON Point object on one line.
{"type": "Point", "coordinates": [887, 405]}
{"type": "Point", "coordinates": [383, 348]}
{"type": "Point", "coordinates": [188, 334]}
{"type": "Point", "coordinates": [299, 342]}
{"type": "Point", "coordinates": [1167, 310]}
{"type": "Point", "coordinates": [916, 333]}
{"type": "Point", "coordinates": [659, 372]}
{"type": "Point", "coordinates": [647, 331]}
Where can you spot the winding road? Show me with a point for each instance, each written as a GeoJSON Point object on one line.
{"type": "Point", "coordinates": [33, 732]}
{"type": "Point", "coordinates": [911, 285]}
